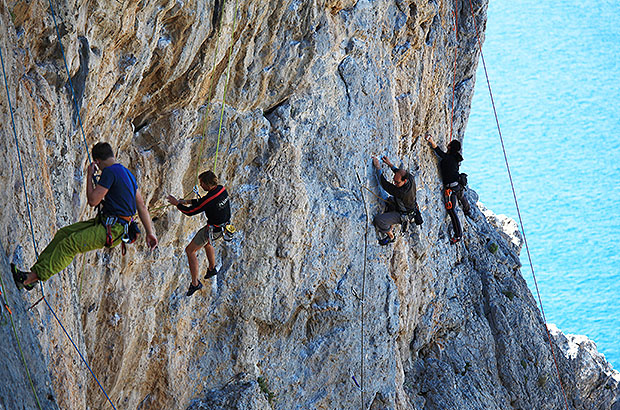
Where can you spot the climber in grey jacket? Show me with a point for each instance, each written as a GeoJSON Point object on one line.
{"type": "Point", "coordinates": [401, 202]}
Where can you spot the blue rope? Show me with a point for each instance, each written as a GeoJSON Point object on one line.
{"type": "Point", "coordinates": [19, 157]}
{"type": "Point", "coordinates": [77, 350]}
{"type": "Point", "coordinates": [34, 242]}
{"type": "Point", "coordinates": [77, 109]}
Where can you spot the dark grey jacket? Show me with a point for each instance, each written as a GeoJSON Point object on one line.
{"type": "Point", "coordinates": [404, 196]}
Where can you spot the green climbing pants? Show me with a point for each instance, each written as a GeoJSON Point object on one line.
{"type": "Point", "coordinates": [77, 238]}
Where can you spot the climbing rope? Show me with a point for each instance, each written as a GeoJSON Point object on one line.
{"type": "Point", "coordinates": [232, 38]}
{"type": "Point", "coordinates": [375, 195]}
{"type": "Point", "coordinates": [6, 86]}
{"type": "Point", "coordinates": [209, 100]}
{"type": "Point", "coordinates": [77, 109]}
{"type": "Point", "coordinates": [34, 242]}
{"type": "Point", "coordinates": [363, 293]}
{"type": "Point", "coordinates": [76, 349]}
{"type": "Point", "coordinates": [456, 48]}
{"type": "Point", "coordinates": [211, 94]}
{"type": "Point", "coordinates": [514, 194]}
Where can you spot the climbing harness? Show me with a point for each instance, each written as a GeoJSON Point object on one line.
{"type": "Point", "coordinates": [514, 194]}
{"type": "Point", "coordinates": [214, 232]}
{"type": "Point", "coordinates": [406, 218]}
{"type": "Point", "coordinates": [130, 230]}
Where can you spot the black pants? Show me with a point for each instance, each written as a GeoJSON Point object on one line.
{"type": "Point", "coordinates": [450, 197]}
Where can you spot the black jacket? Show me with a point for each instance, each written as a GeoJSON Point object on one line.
{"type": "Point", "coordinates": [215, 205]}
{"type": "Point", "coordinates": [449, 165]}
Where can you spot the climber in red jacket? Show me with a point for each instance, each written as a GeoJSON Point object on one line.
{"type": "Point", "coordinates": [216, 207]}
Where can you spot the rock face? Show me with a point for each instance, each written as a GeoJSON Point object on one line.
{"type": "Point", "coordinates": [313, 89]}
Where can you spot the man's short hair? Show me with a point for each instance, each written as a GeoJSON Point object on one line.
{"type": "Point", "coordinates": [209, 178]}
{"type": "Point", "coordinates": [102, 151]}
{"type": "Point", "coordinates": [402, 173]}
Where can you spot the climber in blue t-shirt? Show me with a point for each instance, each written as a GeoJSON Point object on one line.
{"type": "Point", "coordinates": [118, 193]}
{"type": "Point", "coordinates": [121, 197]}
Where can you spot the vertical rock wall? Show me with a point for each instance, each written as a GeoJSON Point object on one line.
{"type": "Point", "coordinates": [314, 89]}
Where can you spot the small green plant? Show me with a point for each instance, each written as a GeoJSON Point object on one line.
{"type": "Point", "coordinates": [493, 248]}
{"type": "Point", "coordinates": [523, 363]}
{"type": "Point", "coordinates": [262, 383]}
{"type": "Point", "coordinates": [509, 294]}
{"type": "Point", "coordinates": [542, 380]}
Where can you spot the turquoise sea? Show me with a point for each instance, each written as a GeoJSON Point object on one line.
{"type": "Point", "coordinates": [554, 68]}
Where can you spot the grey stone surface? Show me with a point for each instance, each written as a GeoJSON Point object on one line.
{"type": "Point", "coordinates": [588, 377]}
{"type": "Point", "coordinates": [315, 89]}
{"type": "Point", "coordinates": [17, 336]}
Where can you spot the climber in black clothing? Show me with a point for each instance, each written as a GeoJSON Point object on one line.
{"type": "Point", "coordinates": [453, 188]}
{"type": "Point", "coordinates": [216, 207]}
{"type": "Point", "coordinates": [401, 203]}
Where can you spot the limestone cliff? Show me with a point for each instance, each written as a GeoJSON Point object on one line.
{"type": "Point", "coordinates": [314, 89]}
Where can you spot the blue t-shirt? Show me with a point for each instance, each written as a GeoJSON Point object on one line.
{"type": "Point", "coordinates": [121, 197]}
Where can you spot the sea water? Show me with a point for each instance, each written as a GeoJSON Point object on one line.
{"type": "Point", "coordinates": [555, 75]}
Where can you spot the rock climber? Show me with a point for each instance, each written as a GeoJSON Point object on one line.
{"type": "Point", "coordinates": [117, 192]}
{"type": "Point", "coordinates": [216, 207]}
{"type": "Point", "coordinates": [453, 182]}
{"type": "Point", "coordinates": [400, 206]}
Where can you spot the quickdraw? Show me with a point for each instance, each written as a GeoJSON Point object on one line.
{"type": "Point", "coordinates": [195, 189]}
{"type": "Point", "coordinates": [109, 223]}
{"type": "Point", "coordinates": [4, 320]}
{"type": "Point", "coordinates": [448, 201]}
{"type": "Point", "coordinates": [226, 231]}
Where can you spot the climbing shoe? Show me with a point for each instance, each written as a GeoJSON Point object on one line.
{"type": "Point", "coordinates": [211, 273]}
{"type": "Point", "coordinates": [193, 288]}
{"type": "Point", "coordinates": [455, 240]}
{"type": "Point", "coordinates": [19, 277]}
{"type": "Point", "coordinates": [386, 241]}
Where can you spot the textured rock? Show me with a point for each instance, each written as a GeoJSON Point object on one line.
{"type": "Point", "coordinates": [315, 88]}
{"type": "Point", "coordinates": [588, 376]}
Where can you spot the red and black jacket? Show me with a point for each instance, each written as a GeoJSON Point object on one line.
{"type": "Point", "coordinates": [215, 205]}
